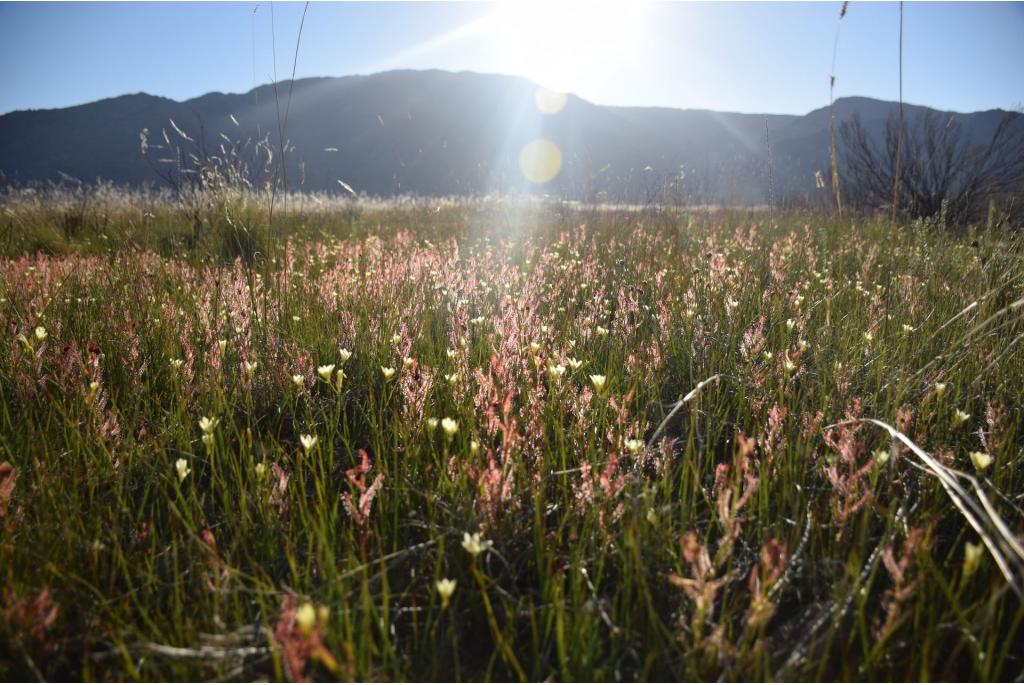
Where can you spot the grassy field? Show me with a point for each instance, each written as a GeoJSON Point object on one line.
{"type": "Point", "coordinates": [499, 441]}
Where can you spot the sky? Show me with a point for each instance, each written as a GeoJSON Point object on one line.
{"type": "Point", "coordinates": [741, 57]}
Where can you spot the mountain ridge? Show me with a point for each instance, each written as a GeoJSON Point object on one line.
{"type": "Point", "coordinates": [435, 132]}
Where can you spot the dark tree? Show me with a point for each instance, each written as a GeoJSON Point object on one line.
{"type": "Point", "coordinates": [939, 164]}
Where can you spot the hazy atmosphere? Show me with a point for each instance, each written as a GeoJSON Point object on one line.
{"type": "Point", "coordinates": [534, 342]}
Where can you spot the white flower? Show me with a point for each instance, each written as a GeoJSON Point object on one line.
{"type": "Point", "coordinates": [261, 470]}
{"type": "Point", "coordinates": [981, 460]}
{"type": "Point", "coordinates": [432, 423]}
{"type": "Point", "coordinates": [768, 356]}
{"type": "Point", "coordinates": [251, 366]}
{"type": "Point", "coordinates": [208, 439]}
{"type": "Point", "coordinates": [598, 382]}
{"type": "Point", "coordinates": [450, 426]}
{"type": "Point", "coordinates": [556, 371]}
{"type": "Point", "coordinates": [407, 362]}
{"type": "Point", "coordinates": [177, 363]}
{"type": "Point", "coordinates": [635, 446]}
{"type": "Point", "coordinates": [451, 353]}
{"type": "Point", "coordinates": [868, 337]}
{"type": "Point", "coordinates": [308, 441]}
{"type": "Point", "coordinates": [790, 324]}
{"type": "Point", "coordinates": [907, 328]}
{"type": "Point", "coordinates": [396, 339]}
{"type": "Point", "coordinates": [474, 447]}
{"type": "Point", "coordinates": [881, 456]}
{"type": "Point", "coordinates": [207, 424]}
{"type": "Point", "coordinates": [474, 545]}
{"type": "Point", "coordinates": [388, 372]}
{"type": "Point", "coordinates": [181, 466]}
{"type": "Point", "coordinates": [940, 389]}
{"type": "Point", "coordinates": [789, 366]}
{"type": "Point", "coordinates": [344, 354]}
{"type": "Point", "coordinates": [535, 347]}
{"type": "Point", "coordinates": [452, 377]}
{"type": "Point", "coordinates": [445, 588]}
{"type": "Point", "coordinates": [222, 345]}
{"type": "Point", "coordinates": [960, 417]}
{"type": "Point", "coordinates": [41, 333]}
{"type": "Point", "coordinates": [298, 379]}
{"type": "Point", "coordinates": [602, 331]}
{"type": "Point", "coordinates": [325, 371]}
{"type": "Point", "coordinates": [574, 364]}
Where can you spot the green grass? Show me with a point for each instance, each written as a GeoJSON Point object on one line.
{"type": "Point", "coordinates": [754, 537]}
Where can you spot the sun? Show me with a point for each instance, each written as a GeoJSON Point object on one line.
{"type": "Point", "coordinates": [558, 43]}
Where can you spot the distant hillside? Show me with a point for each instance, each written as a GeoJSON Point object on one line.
{"type": "Point", "coordinates": [441, 133]}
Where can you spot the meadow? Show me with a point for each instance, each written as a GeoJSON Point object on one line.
{"type": "Point", "coordinates": [514, 441]}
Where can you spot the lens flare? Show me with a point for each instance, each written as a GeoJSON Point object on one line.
{"type": "Point", "coordinates": [548, 101]}
{"type": "Point", "coordinates": [540, 160]}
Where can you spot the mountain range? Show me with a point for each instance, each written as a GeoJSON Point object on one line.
{"type": "Point", "coordinates": [438, 133]}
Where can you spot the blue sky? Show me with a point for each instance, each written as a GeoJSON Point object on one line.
{"type": "Point", "coordinates": [747, 57]}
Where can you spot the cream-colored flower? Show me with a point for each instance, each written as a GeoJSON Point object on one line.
{"type": "Point", "coordinates": [325, 371]}
{"type": "Point", "coordinates": [635, 446]}
{"type": "Point", "coordinates": [474, 447]}
{"type": "Point", "coordinates": [344, 354]}
{"type": "Point", "coordinates": [41, 333]}
{"type": "Point", "coordinates": [556, 371]}
{"type": "Point", "coordinates": [407, 362]}
{"type": "Point", "coordinates": [177, 363]}
{"type": "Point", "coordinates": [598, 381]}
{"type": "Point", "coordinates": [261, 470]}
{"type": "Point", "coordinates": [207, 424]}
{"type": "Point", "coordinates": [534, 347]}
{"type": "Point", "coordinates": [445, 589]}
{"type": "Point", "coordinates": [308, 441]}
{"type": "Point", "coordinates": [881, 456]}
{"type": "Point", "coordinates": [222, 345]}
{"type": "Point", "coordinates": [960, 417]}
{"type": "Point", "coordinates": [940, 389]}
{"type": "Point", "coordinates": [602, 331]}
{"type": "Point", "coordinates": [790, 324]}
{"type": "Point", "coordinates": [450, 426]}
{"type": "Point", "coordinates": [388, 372]}
{"type": "Point", "coordinates": [972, 558]}
{"type": "Point", "coordinates": [305, 619]}
{"type": "Point", "coordinates": [981, 460]}
{"type": "Point", "coordinates": [299, 380]}
{"type": "Point", "coordinates": [474, 545]}
{"type": "Point", "coordinates": [251, 366]}
{"type": "Point", "coordinates": [574, 364]}
{"type": "Point", "coordinates": [396, 339]}
{"type": "Point", "coordinates": [181, 466]}
{"type": "Point", "coordinates": [432, 423]}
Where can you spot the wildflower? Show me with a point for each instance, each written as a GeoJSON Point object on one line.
{"type": "Point", "coordinates": [652, 516]}
{"type": "Point", "coordinates": [388, 372]}
{"type": "Point", "coordinates": [181, 466]}
{"type": "Point", "coordinates": [41, 333]}
{"type": "Point", "coordinates": [972, 558]}
{"type": "Point", "coordinates": [534, 347]}
{"type": "Point", "coordinates": [222, 345]}
{"type": "Point", "coordinates": [960, 417]}
{"type": "Point", "coordinates": [602, 331]}
{"type": "Point", "coordinates": [556, 371]}
{"type": "Point", "coordinates": [296, 318]}
{"type": "Point", "coordinates": [432, 423]}
{"type": "Point", "coordinates": [789, 366]}
{"type": "Point", "coordinates": [250, 367]}
{"type": "Point", "coordinates": [451, 353]}
{"type": "Point", "coordinates": [635, 446]}
{"type": "Point", "coordinates": [450, 426]}
{"type": "Point", "coordinates": [308, 441]}
{"type": "Point", "coordinates": [93, 387]}
{"type": "Point", "coordinates": [325, 371]}
{"type": "Point", "coordinates": [208, 440]}
{"type": "Point", "coordinates": [396, 339]}
{"type": "Point", "coordinates": [790, 324]}
{"type": "Point", "coordinates": [407, 362]}
{"type": "Point", "coordinates": [298, 379]}
{"type": "Point", "coordinates": [881, 456]}
{"type": "Point", "coordinates": [261, 470]}
{"type": "Point", "coordinates": [305, 619]}
{"type": "Point", "coordinates": [940, 389]}
{"type": "Point", "coordinates": [207, 424]}
{"type": "Point", "coordinates": [474, 447]}
{"type": "Point", "coordinates": [868, 337]}
{"type": "Point", "coordinates": [598, 382]}
{"type": "Point", "coordinates": [981, 460]}
{"type": "Point", "coordinates": [799, 300]}
{"type": "Point", "coordinates": [344, 354]}
{"type": "Point", "coordinates": [574, 364]}
{"type": "Point", "coordinates": [802, 344]}
{"type": "Point", "coordinates": [177, 363]}
{"type": "Point", "coordinates": [451, 377]}
{"type": "Point", "coordinates": [474, 545]}
{"type": "Point", "coordinates": [907, 328]}
{"type": "Point", "coordinates": [445, 588]}
{"type": "Point", "coordinates": [768, 356]}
